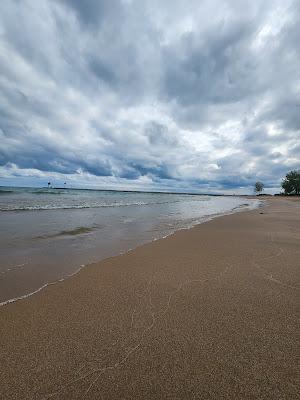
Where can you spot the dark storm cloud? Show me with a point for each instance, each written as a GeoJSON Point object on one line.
{"type": "Point", "coordinates": [95, 12]}
{"type": "Point", "coordinates": [211, 69]}
{"type": "Point", "coordinates": [159, 93]}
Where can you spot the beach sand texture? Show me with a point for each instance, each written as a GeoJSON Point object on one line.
{"type": "Point", "coordinates": [207, 313]}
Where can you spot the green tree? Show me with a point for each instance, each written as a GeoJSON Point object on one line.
{"type": "Point", "coordinates": [258, 187]}
{"type": "Point", "coordinates": [291, 183]}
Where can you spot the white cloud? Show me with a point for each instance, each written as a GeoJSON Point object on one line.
{"type": "Point", "coordinates": [149, 95]}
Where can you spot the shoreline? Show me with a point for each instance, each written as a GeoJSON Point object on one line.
{"type": "Point", "coordinates": [208, 312]}
{"type": "Point", "coordinates": [204, 219]}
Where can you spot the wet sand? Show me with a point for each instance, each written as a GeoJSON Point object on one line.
{"type": "Point", "coordinates": [207, 313]}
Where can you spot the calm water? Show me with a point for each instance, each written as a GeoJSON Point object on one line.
{"type": "Point", "coordinates": [47, 234]}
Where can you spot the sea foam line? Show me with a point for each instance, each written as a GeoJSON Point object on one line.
{"type": "Point", "coordinates": [24, 296]}
{"type": "Point", "coordinates": [91, 205]}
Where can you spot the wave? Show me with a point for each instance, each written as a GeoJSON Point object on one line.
{"type": "Point", "coordinates": [67, 207]}
{"type": "Point", "coordinates": [38, 207]}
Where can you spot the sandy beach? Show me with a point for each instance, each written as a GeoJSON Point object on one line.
{"type": "Point", "coordinates": [207, 313]}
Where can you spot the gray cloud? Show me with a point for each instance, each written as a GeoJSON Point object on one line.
{"type": "Point", "coordinates": [95, 13]}
{"type": "Point", "coordinates": [150, 94]}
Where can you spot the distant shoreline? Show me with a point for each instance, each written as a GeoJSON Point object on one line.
{"type": "Point", "coordinates": [134, 191]}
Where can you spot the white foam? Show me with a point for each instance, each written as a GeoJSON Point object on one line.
{"type": "Point", "coordinates": [3, 303]}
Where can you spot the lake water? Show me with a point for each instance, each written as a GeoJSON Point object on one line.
{"type": "Point", "coordinates": [48, 234]}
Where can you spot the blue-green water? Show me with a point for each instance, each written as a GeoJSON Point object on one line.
{"type": "Point", "coordinates": [47, 234]}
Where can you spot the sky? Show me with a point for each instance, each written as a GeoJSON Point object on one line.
{"type": "Point", "coordinates": [173, 95]}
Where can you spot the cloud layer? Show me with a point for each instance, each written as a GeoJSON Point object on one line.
{"type": "Point", "coordinates": [150, 95]}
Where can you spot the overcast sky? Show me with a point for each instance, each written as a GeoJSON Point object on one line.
{"type": "Point", "coordinates": [149, 94]}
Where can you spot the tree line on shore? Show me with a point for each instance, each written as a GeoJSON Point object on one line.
{"type": "Point", "coordinates": [290, 184]}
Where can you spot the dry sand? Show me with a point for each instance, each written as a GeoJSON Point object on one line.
{"type": "Point", "coordinates": [208, 313]}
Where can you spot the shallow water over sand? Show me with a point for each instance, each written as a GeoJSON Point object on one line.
{"type": "Point", "coordinates": [47, 235]}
